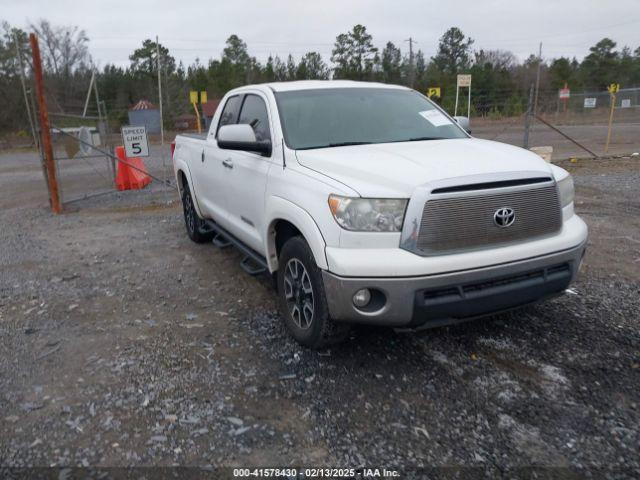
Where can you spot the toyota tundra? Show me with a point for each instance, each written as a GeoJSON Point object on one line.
{"type": "Point", "coordinates": [368, 203]}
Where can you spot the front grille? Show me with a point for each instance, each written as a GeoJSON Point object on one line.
{"type": "Point", "coordinates": [466, 222]}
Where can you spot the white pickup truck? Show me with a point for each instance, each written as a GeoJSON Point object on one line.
{"type": "Point", "coordinates": [368, 203]}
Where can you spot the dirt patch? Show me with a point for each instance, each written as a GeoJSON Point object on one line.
{"type": "Point", "coordinates": [123, 343]}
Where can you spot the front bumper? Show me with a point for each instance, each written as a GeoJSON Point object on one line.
{"type": "Point", "coordinates": [438, 299]}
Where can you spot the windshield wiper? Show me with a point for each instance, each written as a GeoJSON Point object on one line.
{"type": "Point", "coordinates": [340, 144]}
{"type": "Point", "coordinates": [346, 144]}
{"type": "Point", "coordinates": [419, 139]}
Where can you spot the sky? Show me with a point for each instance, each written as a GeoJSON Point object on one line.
{"type": "Point", "coordinates": [198, 29]}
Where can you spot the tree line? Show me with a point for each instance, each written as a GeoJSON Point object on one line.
{"type": "Point", "coordinates": [500, 81]}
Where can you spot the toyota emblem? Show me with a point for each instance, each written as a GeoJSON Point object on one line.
{"type": "Point", "coordinates": [504, 217]}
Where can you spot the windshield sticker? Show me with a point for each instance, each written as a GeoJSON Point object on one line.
{"type": "Point", "coordinates": [435, 117]}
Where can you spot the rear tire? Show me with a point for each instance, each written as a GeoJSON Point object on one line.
{"type": "Point", "coordinates": [302, 299]}
{"type": "Point", "coordinates": [196, 227]}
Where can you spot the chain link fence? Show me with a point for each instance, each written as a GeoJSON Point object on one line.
{"type": "Point", "coordinates": [83, 143]}
{"type": "Point", "coordinates": [85, 172]}
{"type": "Point", "coordinates": [584, 117]}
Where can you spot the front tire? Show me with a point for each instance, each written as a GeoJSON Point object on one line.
{"type": "Point", "coordinates": [302, 299]}
{"type": "Point", "coordinates": [196, 228]}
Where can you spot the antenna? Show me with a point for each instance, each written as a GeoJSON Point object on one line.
{"type": "Point", "coordinates": [284, 158]}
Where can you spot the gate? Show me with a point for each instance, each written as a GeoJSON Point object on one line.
{"type": "Point", "coordinates": [78, 150]}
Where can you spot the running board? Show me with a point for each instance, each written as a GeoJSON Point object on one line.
{"type": "Point", "coordinates": [220, 241]}
{"type": "Point", "coordinates": [249, 265]}
{"type": "Point", "coordinates": [253, 263]}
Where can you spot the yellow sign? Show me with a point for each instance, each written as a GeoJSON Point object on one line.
{"type": "Point", "coordinates": [614, 88]}
{"type": "Point", "coordinates": [193, 97]}
{"type": "Point", "coordinates": [203, 97]}
{"type": "Point", "coordinates": [433, 92]}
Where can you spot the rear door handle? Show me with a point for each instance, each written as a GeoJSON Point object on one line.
{"type": "Point", "coordinates": [227, 162]}
{"type": "Point", "coordinates": [202, 156]}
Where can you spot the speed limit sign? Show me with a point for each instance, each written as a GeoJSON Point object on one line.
{"type": "Point", "coordinates": [135, 141]}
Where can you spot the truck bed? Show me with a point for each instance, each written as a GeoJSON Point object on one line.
{"type": "Point", "coordinates": [196, 136]}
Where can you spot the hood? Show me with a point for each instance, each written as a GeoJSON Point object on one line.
{"type": "Point", "coordinates": [394, 170]}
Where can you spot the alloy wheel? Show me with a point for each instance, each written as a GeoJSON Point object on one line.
{"type": "Point", "coordinates": [189, 213]}
{"type": "Point", "coordinates": [298, 292]}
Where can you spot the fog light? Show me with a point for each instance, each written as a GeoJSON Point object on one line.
{"type": "Point", "coordinates": [362, 298]}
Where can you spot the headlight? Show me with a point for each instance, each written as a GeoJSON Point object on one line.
{"type": "Point", "coordinates": [368, 214]}
{"type": "Point", "coordinates": [565, 190]}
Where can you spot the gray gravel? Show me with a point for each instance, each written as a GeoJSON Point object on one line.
{"type": "Point", "coordinates": [124, 344]}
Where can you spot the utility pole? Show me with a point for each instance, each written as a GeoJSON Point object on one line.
{"type": "Point", "coordinates": [101, 128]}
{"type": "Point", "coordinates": [167, 86]}
{"type": "Point", "coordinates": [45, 129]}
{"type": "Point", "coordinates": [412, 71]}
{"type": "Point", "coordinates": [159, 91]}
{"type": "Point", "coordinates": [86, 103]}
{"type": "Point", "coordinates": [24, 91]}
{"type": "Point", "coordinates": [535, 101]}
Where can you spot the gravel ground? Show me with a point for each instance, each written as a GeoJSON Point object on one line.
{"type": "Point", "coordinates": [124, 344]}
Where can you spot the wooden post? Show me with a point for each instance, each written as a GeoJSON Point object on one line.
{"type": "Point", "coordinates": [613, 104]}
{"type": "Point", "coordinates": [195, 108]}
{"type": "Point", "coordinates": [45, 129]}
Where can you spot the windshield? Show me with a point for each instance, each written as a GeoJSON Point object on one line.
{"type": "Point", "coordinates": [355, 116]}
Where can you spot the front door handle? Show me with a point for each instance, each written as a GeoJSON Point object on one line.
{"type": "Point", "coordinates": [227, 162]}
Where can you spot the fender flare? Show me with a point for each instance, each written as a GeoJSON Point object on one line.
{"type": "Point", "coordinates": [277, 208]}
{"type": "Point", "coordinates": [181, 166]}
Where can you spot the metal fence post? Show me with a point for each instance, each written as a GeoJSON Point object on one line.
{"type": "Point", "coordinates": [527, 119]}
{"type": "Point", "coordinates": [45, 130]}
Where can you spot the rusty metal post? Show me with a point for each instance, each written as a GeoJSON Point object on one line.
{"type": "Point", "coordinates": [45, 130]}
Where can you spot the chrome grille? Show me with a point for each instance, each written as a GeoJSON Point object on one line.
{"type": "Point", "coordinates": [466, 222]}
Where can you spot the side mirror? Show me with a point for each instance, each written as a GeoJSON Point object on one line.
{"type": "Point", "coordinates": [242, 137]}
{"type": "Point", "coordinates": [464, 123]}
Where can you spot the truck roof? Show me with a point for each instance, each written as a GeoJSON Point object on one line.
{"type": "Point", "coordinates": [322, 84]}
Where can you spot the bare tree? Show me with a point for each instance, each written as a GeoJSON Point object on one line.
{"type": "Point", "coordinates": [66, 62]}
{"type": "Point", "coordinates": [64, 48]}
{"type": "Point", "coordinates": [499, 59]}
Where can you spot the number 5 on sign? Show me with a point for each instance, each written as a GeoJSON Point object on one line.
{"type": "Point", "coordinates": [135, 141]}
